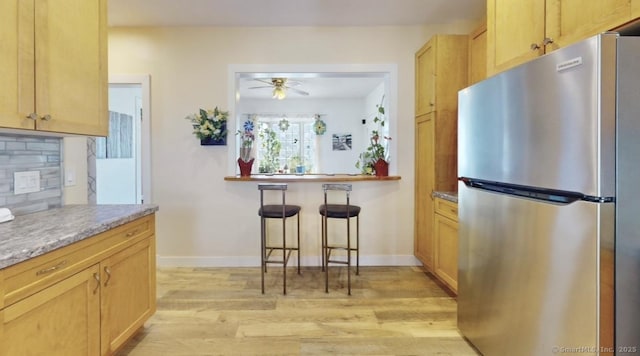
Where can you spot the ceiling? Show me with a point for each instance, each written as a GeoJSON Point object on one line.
{"type": "Point", "coordinates": [291, 12]}
{"type": "Point", "coordinates": [137, 13]}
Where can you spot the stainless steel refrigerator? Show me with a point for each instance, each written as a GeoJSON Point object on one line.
{"type": "Point", "coordinates": [549, 204]}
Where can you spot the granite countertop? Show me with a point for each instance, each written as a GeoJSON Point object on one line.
{"type": "Point", "coordinates": [450, 196]}
{"type": "Point", "coordinates": [35, 234]}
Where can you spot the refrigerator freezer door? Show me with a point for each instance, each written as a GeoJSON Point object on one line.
{"type": "Point", "coordinates": [528, 273]}
{"type": "Point", "coordinates": [549, 123]}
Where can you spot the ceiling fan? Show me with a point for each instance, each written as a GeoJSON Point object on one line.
{"type": "Point", "coordinates": [280, 87]}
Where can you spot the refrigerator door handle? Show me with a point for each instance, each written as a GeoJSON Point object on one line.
{"type": "Point", "coordinates": [541, 194]}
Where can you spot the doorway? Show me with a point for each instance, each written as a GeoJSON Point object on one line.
{"type": "Point", "coordinates": [123, 157]}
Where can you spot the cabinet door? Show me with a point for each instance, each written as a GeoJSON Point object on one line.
{"type": "Point", "coordinates": [128, 293]}
{"type": "Point", "coordinates": [446, 250]}
{"type": "Point", "coordinates": [513, 26]}
{"type": "Point", "coordinates": [478, 54]}
{"type": "Point", "coordinates": [424, 183]}
{"type": "Point", "coordinates": [63, 319]}
{"type": "Point", "coordinates": [71, 66]}
{"type": "Point", "coordinates": [569, 21]}
{"type": "Point", "coordinates": [16, 64]}
{"type": "Point", "coordinates": [425, 79]}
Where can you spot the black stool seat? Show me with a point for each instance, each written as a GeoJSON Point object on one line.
{"type": "Point", "coordinates": [338, 211]}
{"type": "Point", "coordinates": [275, 211]}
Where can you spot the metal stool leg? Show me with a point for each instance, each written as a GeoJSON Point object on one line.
{"type": "Point", "coordinates": [358, 245]}
{"type": "Point", "coordinates": [263, 265]}
{"type": "Point", "coordinates": [349, 255]}
{"type": "Point", "coordinates": [284, 256]}
{"type": "Point", "coordinates": [325, 253]}
{"type": "Point", "coordinates": [298, 218]}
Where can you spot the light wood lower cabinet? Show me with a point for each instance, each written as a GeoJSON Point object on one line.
{"type": "Point", "coordinates": [63, 319]}
{"type": "Point", "coordinates": [87, 298]}
{"type": "Point", "coordinates": [128, 283]}
{"type": "Point", "coordinates": [446, 243]}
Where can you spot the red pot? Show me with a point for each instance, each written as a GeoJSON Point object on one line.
{"type": "Point", "coordinates": [245, 167]}
{"type": "Point", "coordinates": [381, 167]}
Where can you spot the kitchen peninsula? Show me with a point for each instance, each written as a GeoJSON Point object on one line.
{"type": "Point", "coordinates": [292, 178]}
{"type": "Point", "coordinates": [78, 279]}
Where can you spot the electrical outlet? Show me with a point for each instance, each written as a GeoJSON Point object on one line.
{"type": "Point", "coordinates": [26, 182]}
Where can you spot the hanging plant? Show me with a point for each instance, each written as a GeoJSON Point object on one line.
{"type": "Point", "coordinates": [319, 126]}
{"type": "Point", "coordinates": [283, 125]}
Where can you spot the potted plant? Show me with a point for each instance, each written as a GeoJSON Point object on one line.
{"type": "Point", "coordinates": [245, 161]}
{"type": "Point", "coordinates": [210, 126]}
{"type": "Point", "coordinates": [297, 165]}
{"type": "Point", "coordinates": [376, 157]}
{"type": "Point", "coordinates": [270, 162]}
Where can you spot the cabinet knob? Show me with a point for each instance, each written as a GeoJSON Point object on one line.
{"type": "Point", "coordinates": [534, 47]}
{"type": "Point", "coordinates": [33, 116]}
{"type": "Point", "coordinates": [46, 117]}
{"type": "Point", "coordinates": [547, 41]}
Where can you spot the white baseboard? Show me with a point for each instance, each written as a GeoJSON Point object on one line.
{"type": "Point", "coordinates": [250, 261]}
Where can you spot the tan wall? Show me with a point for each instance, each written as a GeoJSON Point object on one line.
{"type": "Point", "coordinates": [204, 220]}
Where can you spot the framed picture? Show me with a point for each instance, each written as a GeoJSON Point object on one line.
{"type": "Point", "coordinates": [341, 142]}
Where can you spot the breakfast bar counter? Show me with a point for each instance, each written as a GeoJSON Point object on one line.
{"type": "Point", "coordinates": [289, 178]}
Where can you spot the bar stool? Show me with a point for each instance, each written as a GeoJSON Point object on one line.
{"type": "Point", "coordinates": [344, 212]}
{"type": "Point", "coordinates": [276, 211]}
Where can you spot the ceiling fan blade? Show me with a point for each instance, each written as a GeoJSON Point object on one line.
{"type": "Point", "coordinates": [301, 92]}
{"type": "Point", "coordinates": [263, 81]}
{"type": "Point", "coordinates": [293, 83]}
{"type": "Point", "coordinates": [264, 86]}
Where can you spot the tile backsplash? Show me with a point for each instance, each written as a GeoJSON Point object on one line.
{"type": "Point", "coordinates": [20, 153]}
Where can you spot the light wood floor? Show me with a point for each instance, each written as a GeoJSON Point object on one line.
{"type": "Point", "coordinates": [220, 311]}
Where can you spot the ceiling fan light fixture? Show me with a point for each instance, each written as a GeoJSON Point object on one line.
{"type": "Point", "coordinates": [279, 93]}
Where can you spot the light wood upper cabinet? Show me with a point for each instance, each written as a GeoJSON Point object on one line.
{"type": "Point", "coordinates": [478, 54]}
{"type": "Point", "coordinates": [441, 67]}
{"type": "Point", "coordinates": [513, 27]}
{"type": "Point", "coordinates": [520, 30]}
{"type": "Point", "coordinates": [569, 21]}
{"type": "Point", "coordinates": [17, 87]}
{"type": "Point", "coordinates": [425, 80]}
{"type": "Point", "coordinates": [56, 64]}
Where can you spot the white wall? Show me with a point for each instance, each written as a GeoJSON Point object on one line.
{"type": "Point", "coordinates": [75, 160]}
{"type": "Point", "coordinates": [204, 220]}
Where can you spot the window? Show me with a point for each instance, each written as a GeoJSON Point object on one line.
{"type": "Point", "coordinates": [285, 145]}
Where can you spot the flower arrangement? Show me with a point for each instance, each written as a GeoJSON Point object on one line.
{"type": "Point", "coordinates": [246, 139]}
{"type": "Point", "coordinates": [376, 157]}
{"type": "Point", "coordinates": [210, 124]}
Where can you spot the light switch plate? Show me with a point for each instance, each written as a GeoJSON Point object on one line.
{"type": "Point", "coordinates": [26, 182]}
{"type": "Point", "coordinates": [69, 177]}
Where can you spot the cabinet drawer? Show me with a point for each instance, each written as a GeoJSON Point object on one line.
{"type": "Point", "coordinates": [446, 208]}
{"type": "Point", "coordinates": [28, 277]}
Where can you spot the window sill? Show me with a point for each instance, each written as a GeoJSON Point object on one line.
{"type": "Point", "coordinates": [309, 178]}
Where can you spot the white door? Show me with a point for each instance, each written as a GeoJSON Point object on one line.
{"type": "Point", "coordinates": [122, 158]}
